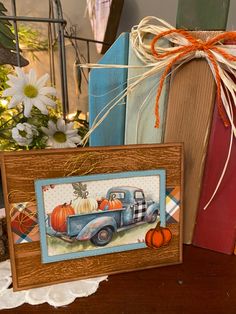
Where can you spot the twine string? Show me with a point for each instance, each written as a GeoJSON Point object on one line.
{"type": "Point", "coordinates": [199, 48]}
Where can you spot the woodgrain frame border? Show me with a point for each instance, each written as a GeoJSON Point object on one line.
{"type": "Point", "coordinates": [20, 170]}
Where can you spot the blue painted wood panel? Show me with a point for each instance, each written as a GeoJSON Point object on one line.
{"type": "Point", "coordinates": [140, 107]}
{"type": "Point", "coordinates": [105, 85]}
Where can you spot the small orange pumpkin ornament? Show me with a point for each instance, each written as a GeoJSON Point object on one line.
{"type": "Point", "coordinates": [111, 203]}
{"type": "Point", "coordinates": [59, 216]}
{"type": "Point", "coordinates": [158, 236]}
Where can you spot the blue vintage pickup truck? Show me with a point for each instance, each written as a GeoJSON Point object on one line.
{"type": "Point", "coordinates": [99, 227]}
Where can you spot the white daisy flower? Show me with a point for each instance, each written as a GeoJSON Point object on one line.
{"type": "Point", "coordinates": [23, 133]}
{"type": "Point", "coordinates": [61, 135]}
{"type": "Point", "coordinates": [27, 89]}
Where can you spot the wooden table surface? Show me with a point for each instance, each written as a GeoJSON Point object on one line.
{"type": "Point", "coordinates": [204, 283]}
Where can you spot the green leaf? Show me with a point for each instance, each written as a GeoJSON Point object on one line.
{"type": "Point", "coordinates": [80, 189]}
{"type": "Point", "coordinates": [77, 186]}
{"type": "Point", "coordinates": [7, 42]}
{"type": "Point", "coordinates": [6, 31]}
{"type": "Point", "coordinates": [2, 7]}
{"type": "Point", "coordinates": [84, 187]}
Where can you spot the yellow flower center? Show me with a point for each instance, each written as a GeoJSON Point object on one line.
{"type": "Point", "coordinates": [59, 137]}
{"type": "Point", "coordinates": [30, 91]}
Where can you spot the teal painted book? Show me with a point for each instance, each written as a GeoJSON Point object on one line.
{"type": "Point", "coordinates": [106, 84]}
{"type": "Point", "coordinates": [140, 107]}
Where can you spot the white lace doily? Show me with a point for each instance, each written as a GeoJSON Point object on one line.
{"type": "Point", "coordinates": [56, 295]}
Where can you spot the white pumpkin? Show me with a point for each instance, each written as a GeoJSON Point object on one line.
{"type": "Point", "coordinates": [75, 203]}
{"type": "Point", "coordinates": [85, 205]}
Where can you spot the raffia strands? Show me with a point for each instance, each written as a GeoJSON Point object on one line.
{"type": "Point", "coordinates": [21, 195]}
{"type": "Point", "coordinates": [92, 163]}
{"type": "Point", "coordinates": [203, 49]}
{"type": "Point", "coordinates": [221, 60]}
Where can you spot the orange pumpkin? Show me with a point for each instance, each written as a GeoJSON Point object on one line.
{"type": "Point", "coordinates": [158, 236]}
{"type": "Point", "coordinates": [59, 215]}
{"type": "Point", "coordinates": [111, 203]}
{"type": "Point", "coordinates": [167, 235]}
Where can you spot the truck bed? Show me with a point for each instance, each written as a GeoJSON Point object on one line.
{"type": "Point", "coordinates": [76, 223]}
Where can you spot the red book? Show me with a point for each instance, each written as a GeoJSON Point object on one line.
{"type": "Point", "coordinates": [215, 227]}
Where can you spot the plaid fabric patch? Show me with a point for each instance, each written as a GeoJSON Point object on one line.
{"type": "Point", "coordinates": [24, 222]}
{"type": "Point", "coordinates": [173, 203]}
{"type": "Point", "coordinates": [140, 208]}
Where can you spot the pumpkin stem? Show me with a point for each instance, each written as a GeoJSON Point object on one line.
{"type": "Point", "coordinates": [85, 194]}
{"type": "Point", "coordinates": [112, 197]}
{"type": "Point", "coordinates": [158, 226]}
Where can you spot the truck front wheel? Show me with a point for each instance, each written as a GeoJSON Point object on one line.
{"type": "Point", "coordinates": [153, 217]}
{"type": "Point", "coordinates": [102, 237]}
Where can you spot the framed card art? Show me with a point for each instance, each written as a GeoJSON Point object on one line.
{"type": "Point", "coordinates": [87, 212]}
{"type": "Point", "coordinates": [99, 214]}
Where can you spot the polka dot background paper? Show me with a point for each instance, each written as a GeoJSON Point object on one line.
{"type": "Point", "coordinates": [63, 193]}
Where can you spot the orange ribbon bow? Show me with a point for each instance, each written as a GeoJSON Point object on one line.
{"type": "Point", "coordinates": [195, 45]}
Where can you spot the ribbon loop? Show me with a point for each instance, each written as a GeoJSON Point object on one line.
{"type": "Point", "coordinates": [200, 49]}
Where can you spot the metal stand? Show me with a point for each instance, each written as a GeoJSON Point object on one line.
{"type": "Point", "coordinates": [56, 33]}
{"type": "Point", "coordinates": [60, 22]}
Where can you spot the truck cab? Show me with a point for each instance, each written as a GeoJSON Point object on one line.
{"type": "Point", "coordinates": [126, 194]}
{"type": "Point", "coordinates": [135, 203]}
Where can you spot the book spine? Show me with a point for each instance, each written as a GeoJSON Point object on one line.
{"type": "Point", "coordinates": [189, 115]}
{"type": "Point", "coordinates": [191, 100]}
{"type": "Point", "coordinates": [215, 227]}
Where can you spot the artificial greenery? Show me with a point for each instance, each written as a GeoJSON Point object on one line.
{"type": "Point", "coordinates": [28, 37]}
{"type": "Point", "coordinates": [4, 71]}
{"type": "Point", "coordinates": [6, 35]}
{"type": "Point", "coordinates": [80, 123]}
{"type": "Point", "coordinates": [9, 118]}
{"type": "Point", "coordinates": [30, 40]}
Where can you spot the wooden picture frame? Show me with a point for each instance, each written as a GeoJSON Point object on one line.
{"type": "Point", "coordinates": [104, 17]}
{"type": "Point", "coordinates": [21, 169]}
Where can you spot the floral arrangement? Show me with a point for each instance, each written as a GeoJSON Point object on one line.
{"type": "Point", "coordinates": [30, 115]}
